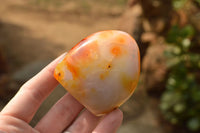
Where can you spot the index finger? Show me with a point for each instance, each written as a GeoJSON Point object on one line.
{"type": "Point", "coordinates": [30, 96]}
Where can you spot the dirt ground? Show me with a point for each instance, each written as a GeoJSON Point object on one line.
{"type": "Point", "coordinates": [32, 34]}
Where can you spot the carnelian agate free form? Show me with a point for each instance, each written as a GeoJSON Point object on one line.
{"type": "Point", "coordinates": [101, 71]}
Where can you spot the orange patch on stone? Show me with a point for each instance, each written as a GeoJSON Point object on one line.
{"type": "Point", "coordinates": [106, 71]}
{"type": "Point", "coordinates": [116, 50]}
{"type": "Point", "coordinates": [72, 68]}
{"type": "Point", "coordinates": [121, 39]}
{"type": "Point", "coordinates": [105, 34]}
{"type": "Point", "coordinates": [56, 74]}
{"type": "Point", "coordinates": [59, 73]}
{"type": "Point", "coordinates": [88, 50]}
{"type": "Point", "coordinates": [81, 59]}
{"type": "Point", "coordinates": [85, 54]}
{"type": "Point", "coordinates": [74, 87]}
{"type": "Point", "coordinates": [104, 75]}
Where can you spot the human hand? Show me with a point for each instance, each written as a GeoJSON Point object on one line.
{"type": "Point", "coordinates": [63, 117]}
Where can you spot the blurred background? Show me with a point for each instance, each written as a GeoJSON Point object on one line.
{"type": "Point", "coordinates": [167, 99]}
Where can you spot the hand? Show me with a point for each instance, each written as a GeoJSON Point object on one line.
{"type": "Point", "coordinates": [62, 117]}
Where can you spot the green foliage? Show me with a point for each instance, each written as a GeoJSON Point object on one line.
{"type": "Point", "coordinates": [177, 4]}
{"type": "Point", "coordinates": [180, 103]}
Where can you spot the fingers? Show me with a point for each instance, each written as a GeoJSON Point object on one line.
{"type": "Point", "coordinates": [9, 124]}
{"type": "Point", "coordinates": [60, 115]}
{"type": "Point", "coordinates": [30, 96]}
{"type": "Point", "coordinates": [85, 123]}
{"type": "Point", "coordinates": [110, 122]}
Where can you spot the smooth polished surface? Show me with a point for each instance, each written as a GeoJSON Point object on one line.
{"type": "Point", "coordinates": [101, 71]}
